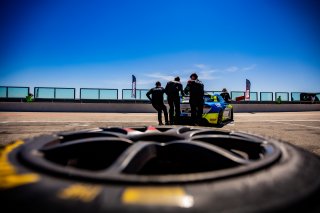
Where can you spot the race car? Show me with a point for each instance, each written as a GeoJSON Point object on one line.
{"type": "Point", "coordinates": [215, 109]}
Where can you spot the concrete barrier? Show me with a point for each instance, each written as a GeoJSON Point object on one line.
{"type": "Point", "coordinates": [275, 107]}
{"type": "Point", "coordinates": [75, 107]}
{"type": "Point", "coordinates": [139, 107]}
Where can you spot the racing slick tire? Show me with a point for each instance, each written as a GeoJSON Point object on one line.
{"type": "Point", "coordinates": [231, 117]}
{"type": "Point", "coordinates": [157, 169]}
{"type": "Point", "coordinates": [220, 118]}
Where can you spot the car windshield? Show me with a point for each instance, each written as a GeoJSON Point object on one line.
{"type": "Point", "coordinates": [184, 99]}
{"type": "Point", "coordinates": [207, 98]}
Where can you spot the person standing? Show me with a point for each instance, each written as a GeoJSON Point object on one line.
{"type": "Point", "coordinates": [29, 98]}
{"type": "Point", "coordinates": [195, 89]}
{"type": "Point", "coordinates": [278, 100]}
{"type": "Point", "coordinates": [225, 95]}
{"type": "Point", "coordinates": [157, 102]}
{"type": "Point", "coordinates": [172, 90]}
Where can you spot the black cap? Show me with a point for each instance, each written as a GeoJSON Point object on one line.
{"type": "Point", "coordinates": [177, 78]}
{"type": "Point", "coordinates": [195, 75]}
{"type": "Point", "coordinates": [158, 83]}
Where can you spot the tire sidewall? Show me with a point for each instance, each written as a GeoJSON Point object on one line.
{"type": "Point", "coordinates": [287, 184]}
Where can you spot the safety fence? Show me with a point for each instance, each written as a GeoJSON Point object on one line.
{"type": "Point", "coordinates": [140, 94]}
{"type": "Point", "coordinates": [14, 92]}
{"type": "Point", "coordinates": [54, 93]}
{"type": "Point", "coordinates": [100, 94]}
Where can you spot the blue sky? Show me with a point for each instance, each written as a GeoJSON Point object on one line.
{"type": "Point", "coordinates": [100, 44]}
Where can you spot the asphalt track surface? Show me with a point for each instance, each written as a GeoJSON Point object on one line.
{"type": "Point", "coordinates": [298, 128]}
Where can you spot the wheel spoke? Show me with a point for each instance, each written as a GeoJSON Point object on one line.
{"type": "Point", "coordinates": [131, 159]}
{"type": "Point", "coordinates": [221, 152]}
{"type": "Point", "coordinates": [149, 154]}
{"type": "Point", "coordinates": [231, 143]}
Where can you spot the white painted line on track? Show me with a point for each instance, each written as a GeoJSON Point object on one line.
{"type": "Point", "coordinates": [104, 121]}
{"type": "Point", "coordinates": [131, 121]}
{"type": "Point", "coordinates": [259, 121]}
{"type": "Point", "coordinates": [144, 121]}
{"type": "Point", "coordinates": [279, 122]}
{"type": "Point", "coordinates": [314, 127]}
{"type": "Point", "coordinates": [259, 114]}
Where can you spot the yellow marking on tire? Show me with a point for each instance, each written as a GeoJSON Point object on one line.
{"type": "Point", "coordinates": [82, 192]}
{"type": "Point", "coordinates": [161, 196]}
{"type": "Point", "coordinates": [9, 177]}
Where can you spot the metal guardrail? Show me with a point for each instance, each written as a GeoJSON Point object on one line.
{"type": "Point", "coordinates": [103, 94]}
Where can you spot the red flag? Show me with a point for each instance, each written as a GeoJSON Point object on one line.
{"type": "Point", "coordinates": [134, 83]}
{"type": "Point", "coordinates": [247, 95]}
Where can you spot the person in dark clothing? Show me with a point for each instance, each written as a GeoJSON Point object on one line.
{"type": "Point", "coordinates": [157, 102]}
{"type": "Point", "coordinates": [225, 95]}
{"type": "Point", "coordinates": [172, 90]}
{"type": "Point", "coordinates": [195, 89]}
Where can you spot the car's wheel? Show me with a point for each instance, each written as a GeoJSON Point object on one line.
{"type": "Point", "coordinates": [220, 118]}
{"type": "Point", "coordinates": [231, 116]}
{"type": "Point", "coordinates": [149, 169]}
